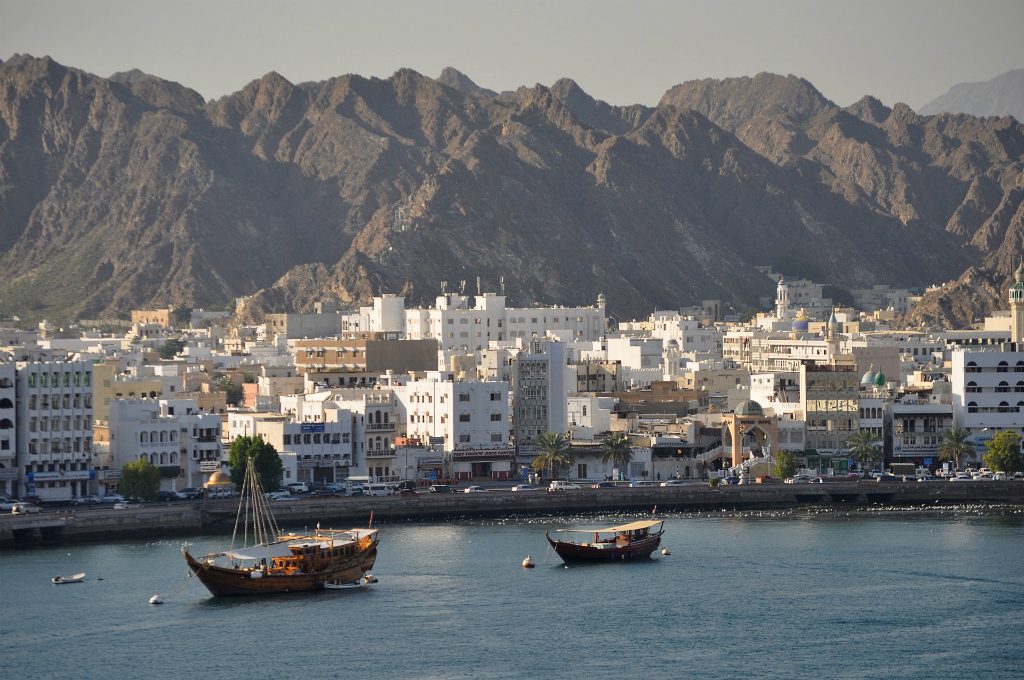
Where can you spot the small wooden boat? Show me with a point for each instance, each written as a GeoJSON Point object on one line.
{"type": "Point", "coordinates": [74, 578]}
{"type": "Point", "coordinates": [633, 541]}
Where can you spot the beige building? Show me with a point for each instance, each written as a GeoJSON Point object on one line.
{"type": "Point", "coordinates": [152, 317]}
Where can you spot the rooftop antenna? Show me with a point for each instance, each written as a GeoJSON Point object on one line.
{"type": "Point", "coordinates": [478, 286]}
{"type": "Point", "coordinates": [502, 281]}
{"type": "Point", "coordinates": [462, 287]}
{"type": "Point", "coordinates": [444, 287]}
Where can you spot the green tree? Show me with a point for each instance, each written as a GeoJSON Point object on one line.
{"type": "Point", "coordinates": [864, 448]}
{"type": "Point", "coordinates": [1003, 452]}
{"type": "Point", "coordinates": [785, 464]}
{"type": "Point", "coordinates": [269, 469]}
{"type": "Point", "coordinates": [181, 316]}
{"type": "Point", "coordinates": [956, 446]}
{"type": "Point", "coordinates": [140, 479]}
{"type": "Point", "coordinates": [170, 349]}
{"type": "Point", "coordinates": [233, 393]}
{"type": "Point", "coordinates": [615, 449]}
{"type": "Point", "coordinates": [555, 452]}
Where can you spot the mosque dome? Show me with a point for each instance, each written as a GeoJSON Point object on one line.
{"type": "Point", "coordinates": [749, 408]}
{"type": "Point", "coordinates": [218, 478]}
{"type": "Point", "coordinates": [869, 376]}
{"type": "Point", "coordinates": [880, 379]}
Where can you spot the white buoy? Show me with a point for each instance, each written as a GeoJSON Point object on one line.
{"type": "Point", "coordinates": [156, 599]}
{"type": "Point", "coordinates": [664, 551]}
{"type": "Point", "coordinates": [528, 563]}
{"type": "Point", "coordinates": [369, 578]}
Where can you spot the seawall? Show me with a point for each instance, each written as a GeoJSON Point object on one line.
{"type": "Point", "coordinates": [189, 518]}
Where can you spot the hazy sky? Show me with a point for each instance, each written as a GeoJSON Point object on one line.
{"type": "Point", "coordinates": [623, 52]}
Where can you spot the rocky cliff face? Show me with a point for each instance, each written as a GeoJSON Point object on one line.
{"type": "Point", "coordinates": [132, 191]}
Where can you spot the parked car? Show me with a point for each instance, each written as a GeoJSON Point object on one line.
{"type": "Point", "coordinates": [112, 498]}
{"type": "Point", "coordinates": [888, 478]}
{"type": "Point", "coordinates": [126, 505]}
{"type": "Point", "coordinates": [474, 489]}
{"type": "Point", "coordinates": [603, 485]}
{"type": "Point", "coordinates": [280, 496]}
{"type": "Point", "coordinates": [525, 487]}
{"type": "Point", "coordinates": [962, 477]}
{"type": "Point", "coordinates": [298, 487]}
{"type": "Point", "coordinates": [562, 485]}
{"type": "Point", "coordinates": [440, 488]}
{"type": "Point", "coordinates": [168, 496]}
{"type": "Point", "coordinates": [406, 484]}
{"type": "Point", "coordinates": [20, 508]}
{"type": "Point", "coordinates": [7, 505]}
{"type": "Point", "coordinates": [87, 500]}
{"type": "Point", "coordinates": [642, 482]}
{"type": "Point", "coordinates": [322, 493]}
{"type": "Point", "coordinates": [408, 492]}
{"type": "Point", "coordinates": [675, 482]}
{"type": "Point", "coordinates": [730, 480]}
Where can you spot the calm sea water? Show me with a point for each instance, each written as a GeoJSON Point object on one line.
{"type": "Point", "coordinates": [765, 595]}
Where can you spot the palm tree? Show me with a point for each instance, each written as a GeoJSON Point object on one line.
{"type": "Point", "coordinates": [956, 445]}
{"type": "Point", "coordinates": [555, 452]}
{"type": "Point", "coordinates": [616, 449]}
{"type": "Point", "coordinates": [863, 447]}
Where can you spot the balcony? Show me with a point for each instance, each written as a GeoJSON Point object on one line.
{"type": "Point", "coordinates": [380, 427]}
{"type": "Point", "coordinates": [382, 453]}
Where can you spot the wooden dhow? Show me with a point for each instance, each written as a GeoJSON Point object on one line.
{"type": "Point", "coordinates": [276, 562]}
{"type": "Point", "coordinates": [636, 540]}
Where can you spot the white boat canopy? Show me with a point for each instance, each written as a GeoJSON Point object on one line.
{"type": "Point", "coordinates": [632, 526]}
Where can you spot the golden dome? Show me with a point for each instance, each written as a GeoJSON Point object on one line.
{"type": "Point", "coordinates": [218, 478]}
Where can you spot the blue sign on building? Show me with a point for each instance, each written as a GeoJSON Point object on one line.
{"type": "Point", "coordinates": [313, 427]}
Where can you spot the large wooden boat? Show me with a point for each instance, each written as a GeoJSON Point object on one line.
{"type": "Point", "coordinates": [282, 563]}
{"type": "Point", "coordinates": [636, 540]}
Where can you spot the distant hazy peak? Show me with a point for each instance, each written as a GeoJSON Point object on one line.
{"type": "Point", "coordinates": [869, 110]}
{"type": "Point", "coordinates": [457, 80]}
{"type": "Point", "coordinates": [1000, 96]}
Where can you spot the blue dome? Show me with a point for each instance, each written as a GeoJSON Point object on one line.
{"type": "Point", "coordinates": [800, 323]}
{"type": "Point", "coordinates": [868, 378]}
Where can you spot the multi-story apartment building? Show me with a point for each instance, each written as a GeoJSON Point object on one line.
{"type": "Point", "coordinates": [542, 382]}
{"type": "Point", "coordinates": [172, 434]}
{"type": "Point", "coordinates": [459, 325]}
{"type": "Point", "coordinates": [377, 423]}
{"type": "Point", "coordinates": [351, 362]}
{"type": "Point", "coordinates": [54, 428]}
{"type": "Point", "coordinates": [8, 430]}
{"type": "Point", "coordinates": [829, 397]}
{"type": "Point", "coordinates": [469, 419]}
{"type": "Point", "coordinates": [918, 426]}
{"type": "Point", "coordinates": [313, 448]}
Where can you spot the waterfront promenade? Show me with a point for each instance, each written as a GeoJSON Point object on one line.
{"type": "Point", "coordinates": [189, 517]}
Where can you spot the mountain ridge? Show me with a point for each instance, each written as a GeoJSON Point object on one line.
{"type": "Point", "coordinates": [123, 192]}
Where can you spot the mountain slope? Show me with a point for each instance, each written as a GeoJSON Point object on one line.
{"type": "Point", "coordinates": [131, 191]}
{"type": "Point", "coordinates": [1001, 96]}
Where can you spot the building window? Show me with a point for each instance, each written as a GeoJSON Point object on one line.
{"type": "Point", "coordinates": [463, 417]}
{"type": "Point", "coordinates": [464, 397]}
{"type": "Point", "coordinates": [495, 417]}
{"type": "Point", "coordinates": [496, 437]}
{"type": "Point", "coordinates": [463, 438]}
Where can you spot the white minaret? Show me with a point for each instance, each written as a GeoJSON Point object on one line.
{"type": "Point", "coordinates": [1017, 306]}
{"type": "Point", "coordinates": [781, 299]}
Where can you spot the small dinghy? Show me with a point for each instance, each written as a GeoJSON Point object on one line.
{"type": "Point", "coordinates": [74, 578]}
{"type": "Point", "coordinates": [156, 599]}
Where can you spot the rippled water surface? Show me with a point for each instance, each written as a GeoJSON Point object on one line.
{"type": "Point", "coordinates": [837, 595]}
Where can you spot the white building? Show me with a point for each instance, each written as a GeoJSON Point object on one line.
{"type": "Point", "coordinates": [54, 424]}
{"type": "Point", "coordinates": [988, 390]}
{"type": "Point", "coordinates": [172, 434]}
{"type": "Point", "coordinates": [469, 419]}
{"type": "Point", "coordinates": [8, 430]}
{"type": "Point", "coordinates": [542, 381]}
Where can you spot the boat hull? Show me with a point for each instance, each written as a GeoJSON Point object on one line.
{"type": "Point", "coordinates": [578, 552]}
{"type": "Point", "coordinates": [222, 581]}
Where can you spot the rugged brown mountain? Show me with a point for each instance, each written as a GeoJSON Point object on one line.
{"type": "Point", "coordinates": [129, 191]}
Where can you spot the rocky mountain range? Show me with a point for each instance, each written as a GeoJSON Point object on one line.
{"type": "Point", "coordinates": [132, 191]}
{"type": "Point", "coordinates": [1001, 96]}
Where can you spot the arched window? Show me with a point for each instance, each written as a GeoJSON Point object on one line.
{"type": "Point", "coordinates": [972, 407]}
{"type": "Point", "coordinates": [1002, 367]}
{"type": "Point", "coordinates": [1003, 386]}
{"type": "Point", "coordinates": [385, 417]}
{"type": "Point", "coordinates": [6, 403]}
{"type": "Point", "coordinates": [163, 458]}
{"type": "Point", "coordinates": [173, 436]}
{"type": "Point", "coordinates": [386, 444]}
{"type": "Point", "coordinates": [1019, 368]}
{"type": "Point", "coordinates": [152, 437]}
{"type": "Point", "coordinates": [6, 424]}
{"type": "Point", "coordinates": [6, 382]}
{"type": "Point", "coordinates": [143, 456]}
{"type": "Point", "coordinates": [143, 437]}
{"type": "Point", "coordinates": [1004, 407]}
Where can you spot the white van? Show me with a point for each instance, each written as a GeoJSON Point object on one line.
{"type": "Point", "coordinates": [379, 489]}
